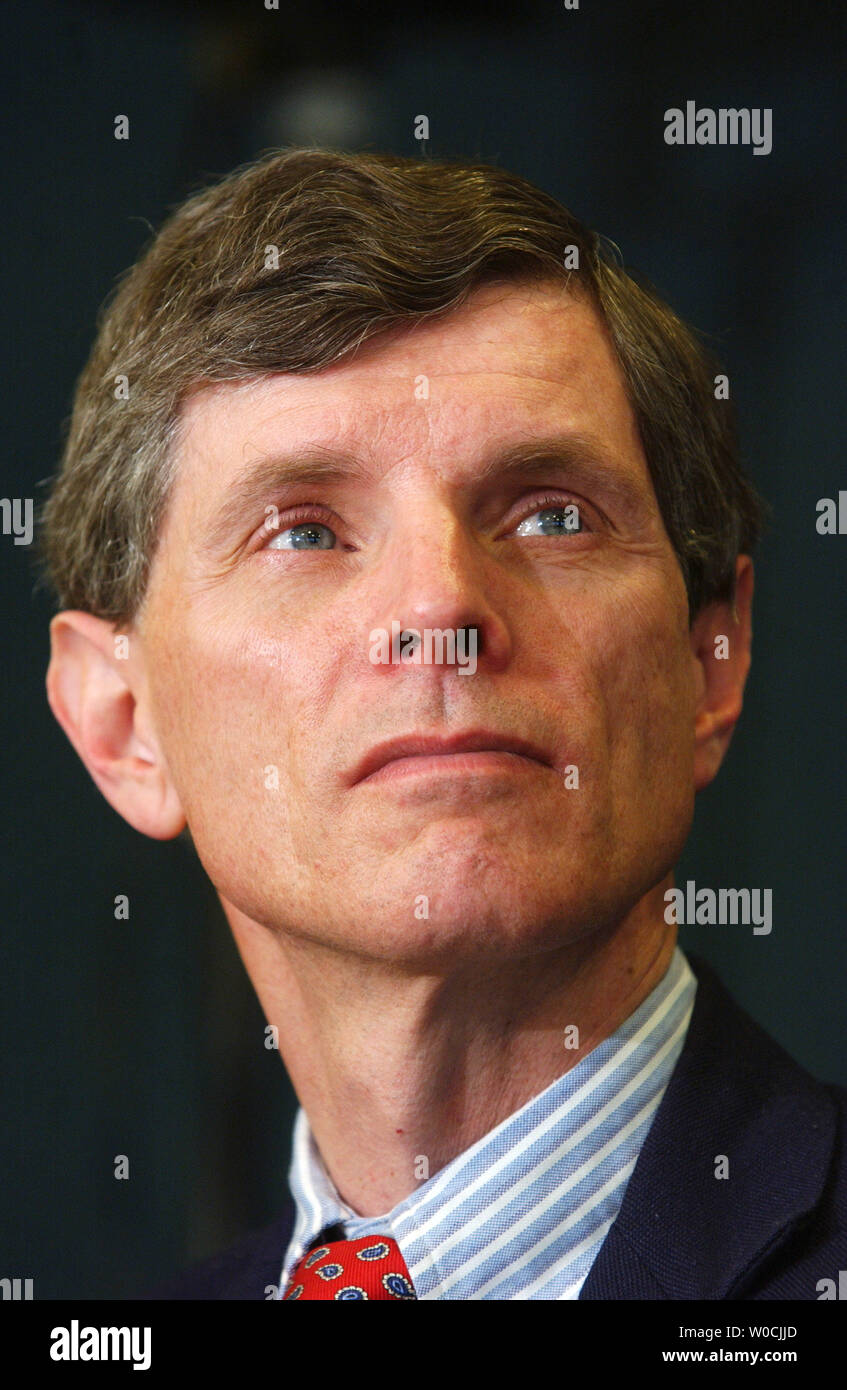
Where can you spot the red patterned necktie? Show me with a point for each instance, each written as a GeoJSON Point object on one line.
{"type": "Point", "coordinates": [370, 1267]}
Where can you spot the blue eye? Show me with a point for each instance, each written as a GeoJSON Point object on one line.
{"type": "Point", "coordinates": [307, 535]}
{"type": "Point", "coordinates": [555, 521]}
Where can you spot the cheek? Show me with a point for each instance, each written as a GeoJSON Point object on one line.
{"type": "Point", "coordinates": [221, 700]}
{"type": "Point", "coordinates": [645, 671]}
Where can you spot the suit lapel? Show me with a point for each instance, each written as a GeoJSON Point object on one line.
{"type": "Point", "coordinates": [682, 1232]}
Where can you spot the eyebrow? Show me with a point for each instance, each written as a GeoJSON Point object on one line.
{"type": "Point", "coordinates": [261, 481]}
{"type": "Point", "coordinates": [586, 459]}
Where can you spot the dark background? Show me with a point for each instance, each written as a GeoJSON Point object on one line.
{"type": "Point", "coordinates": [143, 1037]}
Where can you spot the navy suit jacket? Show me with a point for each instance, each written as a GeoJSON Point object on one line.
{"type": "Point", "coordinates": [772, 1229]}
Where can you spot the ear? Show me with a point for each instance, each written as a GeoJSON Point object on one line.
{"type": "Point", "coordinates": [721, 636]}
{"type": "Point", "coordinates": [96, 688]}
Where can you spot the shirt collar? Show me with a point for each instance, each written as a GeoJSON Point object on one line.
{"type": "Point", "coordinates": [523, 1212]}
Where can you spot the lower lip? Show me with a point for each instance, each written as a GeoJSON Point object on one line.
{"type": "Point", "coordinates": [487, 763]}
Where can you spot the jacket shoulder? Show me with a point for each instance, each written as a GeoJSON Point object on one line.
{"type": "Point", "coordinates": [244, 1271]}
{"type": "Point", "coordinates": [776, 1225]}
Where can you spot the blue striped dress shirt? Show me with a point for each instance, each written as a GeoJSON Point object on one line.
{"type": "Point", "coordinates": [523, 1212]}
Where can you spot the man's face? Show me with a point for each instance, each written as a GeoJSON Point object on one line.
{"type": "Point", "coordinates": [257, 641]}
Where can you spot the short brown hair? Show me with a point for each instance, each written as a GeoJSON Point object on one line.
{"type": "Point", "coordinates": [292, 261]}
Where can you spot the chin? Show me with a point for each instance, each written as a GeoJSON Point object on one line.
{"type": "Point", "coordinates": [448, 918]}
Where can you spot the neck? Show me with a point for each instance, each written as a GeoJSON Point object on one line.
{"type": "Point", "coordinates": [399, 1073]}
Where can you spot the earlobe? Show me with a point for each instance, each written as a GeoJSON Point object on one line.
{"type": "Point", "coordinates": [96, 690]}
{"type": "Point", "coordinates": [721, 638]}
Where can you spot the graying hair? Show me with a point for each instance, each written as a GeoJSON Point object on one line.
{"type": "Point", "coordinates": [365, 242]}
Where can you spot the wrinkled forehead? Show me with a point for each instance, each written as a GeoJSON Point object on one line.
{"type": "Point", "coordinates": [512, 363]}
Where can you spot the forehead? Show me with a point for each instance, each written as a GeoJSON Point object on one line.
{"type": "Point", "coordinates": [512, 362]}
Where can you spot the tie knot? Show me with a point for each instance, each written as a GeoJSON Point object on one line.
{"type": "Point", "coordinates": [369, 1267]}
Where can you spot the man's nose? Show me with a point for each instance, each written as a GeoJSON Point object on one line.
{"type": "Point", "coordinates": [436, 575]}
